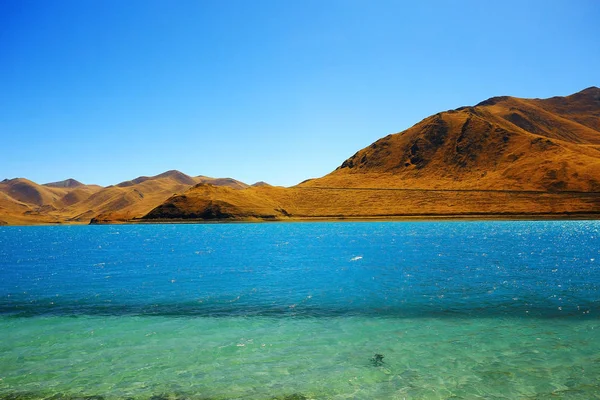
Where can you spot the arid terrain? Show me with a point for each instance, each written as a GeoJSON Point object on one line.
{"type": "Point", "coordinates": [23, 202]}
{"type": "Point", "coordinates": [505, 157]}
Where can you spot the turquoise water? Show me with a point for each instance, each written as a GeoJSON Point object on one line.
{"type": "Point", "coordinates": [261, 311]}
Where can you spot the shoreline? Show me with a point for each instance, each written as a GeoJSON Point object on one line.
{"type": "Point", "coordinates": [421, 217]}
{"type": "Point", "coordinates": [574, 216]}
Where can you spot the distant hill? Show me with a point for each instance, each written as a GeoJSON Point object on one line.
{"type": "Point", "coordinates": [227, 182]}
{"type": "Point", "coordinates": [26, 191]}
{"type": "Point", "coordinates": [505, 156]}
{"type": "Point", "coordinates": [172, 175]}
{"type": "Point", "coordinates": [133, 198]}
{"type": "Point", "coordinates": [67, 183]}
{"type": "Point", "coordinates": [25, 202]}
{"type": "Point", "coordinates": [260, 184]}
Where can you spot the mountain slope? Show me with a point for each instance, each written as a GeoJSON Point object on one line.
{"type": "Point", "coordinates": [67, 183]}
{"type": "Point", "coordinates": [227, 182]}
{"type": "Point", "coordinates": [503, 143]}
{"type": "Point", "coordinates": [26, 191]}
{"type": "Point", "coordinates": [25, 202]}
{"type": "Point", "coordinates": [504, 157]}
{"type": "Point", "coordinates": [209, 203]}
{"type": "Point", "coordinates": [135, 198]}
{"type": "Point", "coordinates": [173, 176]}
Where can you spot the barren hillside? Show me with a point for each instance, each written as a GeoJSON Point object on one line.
{"type": "Point", "coordinates": [24, 202]}
{"type": "Point", "coordinates": [505, 157]}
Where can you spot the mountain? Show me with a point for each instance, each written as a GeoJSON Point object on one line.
{"type": "Point", "coordinates": [67, 183]}
{"type": "Point", "coordinates": [505, 156]}
{"type": "Point", "coordinates": [134, 198]}
{"type": "Point", "coordinates": [172, 175]}
{"type": "Point", "coordinates": [227, 182]}
{"type": "Point", "coordinates": [260, 183]}
{"type": "Point", "coordinates": [26, 191]}
{"type": "Point", "coordinates": [503, 143]}
{"type": "Point", "coordinates": [25, 202]}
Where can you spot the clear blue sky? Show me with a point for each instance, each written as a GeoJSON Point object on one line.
{"type": "Point", "coordinates": [280, 91]}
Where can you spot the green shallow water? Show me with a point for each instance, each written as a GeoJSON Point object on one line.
{"type": "Point", "coordinates": [320, 358]}
{"type": "Point", "coordinates": [490, 310]}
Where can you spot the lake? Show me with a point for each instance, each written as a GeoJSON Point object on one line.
{"type": "Point", "coordinates": [338, 310]}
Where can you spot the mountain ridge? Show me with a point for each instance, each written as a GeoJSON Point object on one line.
{"type": "Point", "coordinates": [67, 183]}
{"type": "Point", "coordinates": [505, 156]}
{"type": "Point", "coordinates": [498, 144]}
{"type": "Point", "coordinates": [24, 202]}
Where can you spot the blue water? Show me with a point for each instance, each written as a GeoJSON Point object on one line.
{"type": "Point", "coordinates": [261, 311]}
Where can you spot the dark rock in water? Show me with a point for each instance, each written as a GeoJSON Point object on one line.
{"type": "Point", "coordinates": [377, 360]}
{"type": "Point", "coordinates": [159, 397]}
{"type": "Point", "coordinates": [295, 396]}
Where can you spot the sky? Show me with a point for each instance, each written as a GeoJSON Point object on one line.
{"type": "Point", "coordinates": [277, 91]}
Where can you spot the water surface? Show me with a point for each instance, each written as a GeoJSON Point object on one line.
{"type": "Point", "coordinates": [261, 311]}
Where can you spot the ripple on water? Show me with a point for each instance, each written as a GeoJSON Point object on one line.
{"type": "Point", "coordinates": [455, 310]}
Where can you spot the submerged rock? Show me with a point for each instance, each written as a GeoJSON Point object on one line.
{"type": "Point", "coordinates": [377, 360]}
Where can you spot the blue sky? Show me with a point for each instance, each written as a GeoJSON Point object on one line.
{"type": "Point", "coordinates": [280, 91]}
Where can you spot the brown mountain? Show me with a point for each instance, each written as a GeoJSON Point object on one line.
{"type": "Point", "coordinates": [134, 198]}
{"type": "Point", "coordinates": [67, 183]}
{"type": "Point", "coordinates": [227, 182]}
{"type": "Point", "coordinates": [505, 156]}
{"type": "Point", "coordinates": [172, 175]}
{"type": "Point", "coordinates": [25, 202]}
{"type": "Point", "coordinates": [26, 191]}
{"type": "Point", "coordinates": [503, 143]}
{"type": "Point", "coordinates": [260, 183]}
